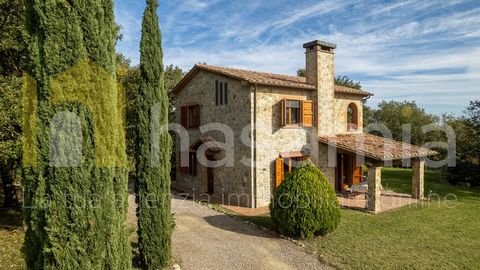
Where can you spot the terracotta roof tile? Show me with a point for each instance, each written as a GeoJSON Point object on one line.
{"type": "Point", "coordinates": [263, 78]}
{"type": "Point", "coordinates": [375, 147]}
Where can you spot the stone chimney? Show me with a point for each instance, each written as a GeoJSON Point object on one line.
{"type": "Point", "coordinates": [319, 72]}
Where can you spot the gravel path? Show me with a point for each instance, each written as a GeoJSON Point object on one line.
{"type": "Point", "coordinates": [206, 239]}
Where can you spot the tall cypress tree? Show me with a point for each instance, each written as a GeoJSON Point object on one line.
{"type": "Point", "coordinates": [154, 149]}
{"type": "Point", "coordinates": [74, 150]}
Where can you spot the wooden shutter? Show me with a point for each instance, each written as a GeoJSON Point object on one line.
{"type": "Point", "coordinates": [184, 116]}
{"type": "Point", "coordinates": [282, 112]}
{"type": "Point", "coordinates": [225, 95]}
{"type": "Point", "coordinates": [196, 115]}
{"type": "Point", "coordinates": [307, 113]}
{"type": "Point", "coordinates": [216, 93]}
{"type": "Point", "coordinates": [279, 174]}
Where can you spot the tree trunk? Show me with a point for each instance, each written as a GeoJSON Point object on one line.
{"type": "Point", "coordinates": [11, 188]}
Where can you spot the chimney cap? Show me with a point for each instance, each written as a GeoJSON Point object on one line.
{"type": "Point", "coordinates": [319, 42]}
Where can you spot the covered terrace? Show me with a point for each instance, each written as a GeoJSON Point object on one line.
{"type": "Point", "coordinates": [376, 152]}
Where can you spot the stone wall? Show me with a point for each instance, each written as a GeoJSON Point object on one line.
{"type": "Point", "coordinates": [230, 181]}
{"type": "Point", "coordinates": [272, 139]}
{"type": "Point", "coordinates": [340, 107]}
{"type": "Point", "coordinates": [252, 176]}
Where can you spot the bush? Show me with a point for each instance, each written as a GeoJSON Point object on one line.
{"type": "Point", "coordinates": [305, 204]}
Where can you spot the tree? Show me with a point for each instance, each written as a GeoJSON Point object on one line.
{"type": "Point", "coordinates": [395, 114]}
{"type": "Point", "coordinates": [467, 131]}
{"type": "Point", "coordinates": [12, 55]}
{"type": "Point", "coordinates": [473, 114]}
{"type": "Point", "coordinates": [346, 81]}
{"type": "Point", "coordinates": [10, 143]}
{"type": "Point", "coordinates": [74, 150]}
{"type": "Point", "coordinates": [128, 77]}
{"type": "Point", "coordinates": [339, 80]}
{"type": "Point", "coordinates": [305, 204]}
{"type": "Point", "coordinates": [154, 149]}
{"type": "Point", "coordinates": [301, 72]}
{"type": "Point", "coordinates": [12, 45]}
{"type": "Point", "coordinates": [173, 75]}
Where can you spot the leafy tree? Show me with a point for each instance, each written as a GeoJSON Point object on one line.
{"type": "Point", "coordinates": [346, 81]}
{"type": "Point", "coordinates": [467, 131]}
{"type": "Point", "coordinates": [395, 114]}
{"type": "Point", "coordinates": [301, 72]}
{"type": "Point", "coordinates": [173, 75]}
{"type": "Point", "coordinates": [473, 114]}
{"type": "Point", "coordinates": [305, 204]}
{"type": "Point", "coordinates": [128, 77]}
{"type": "Point", "coordinates": [339, 80]}
{"type": "Point", "coordinates": [12, 45]}
{"type": "Point", "coordinates": [12, 55]}
{"type": "Point", "coordinates": [10, 143]}
{"type": "Point", "coordinates": [76, 214]}
{"type": "Point", "coordinates": [154, 149]}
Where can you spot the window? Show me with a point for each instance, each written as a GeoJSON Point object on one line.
{"type": "Point", "coordinates": [292, 112]}
{"type": "Point", "coordinates": [297, 113]}
{"type": "Point", "coordinates": [352, 117]}
{"type": "Point", "coordinates": [221, 93]}
{"type": "Point", "coordinates": [190, 116]}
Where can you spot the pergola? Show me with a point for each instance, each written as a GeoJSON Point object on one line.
{"type": "Point", "coordinates": [376, 152]}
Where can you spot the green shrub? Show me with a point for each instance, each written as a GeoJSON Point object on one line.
{"type": "Point", "coordinates": [305, 204]}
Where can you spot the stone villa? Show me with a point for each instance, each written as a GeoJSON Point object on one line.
{"type": "Point", "coordinates": [277, 120]}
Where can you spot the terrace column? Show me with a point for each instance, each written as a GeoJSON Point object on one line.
{"type": "Point", "coordinates": [374, 183]}
{"type": "Point", "coordinates": [418, 175]}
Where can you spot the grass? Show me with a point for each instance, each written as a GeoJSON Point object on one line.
{"type": "Point", "coordinates": [423, 236]}
{"type": "Point", "coordinates": [429, 235]}
{"type": "Point", "coordinates": [11, 239]}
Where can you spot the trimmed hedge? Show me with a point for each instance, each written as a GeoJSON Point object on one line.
{"type": "Point", "coordinates": [305, 204]}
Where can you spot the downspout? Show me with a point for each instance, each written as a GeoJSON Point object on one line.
{"type": "Point", "coordinates": [254, 149]}
{"type": "Point", "coordinates": [365, 99]}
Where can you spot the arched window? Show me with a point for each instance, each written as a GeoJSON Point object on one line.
{"type": "Point", "coordinates": [352, 117]}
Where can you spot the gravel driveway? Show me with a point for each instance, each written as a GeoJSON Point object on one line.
{"type": "Point", "coordinates": [206, 239]}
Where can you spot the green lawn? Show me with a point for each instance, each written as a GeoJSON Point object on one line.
{"type": "Point", "coordinates": [423, 236]}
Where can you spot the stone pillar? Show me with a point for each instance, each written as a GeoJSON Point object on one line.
{"type": "Point", "coordinates": [374, 183]}
{"type": "Point", "coordinates": [418, 176]}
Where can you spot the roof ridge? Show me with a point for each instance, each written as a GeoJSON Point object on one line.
{"type": "Point", "coordinates": [296, 79]}
{"type": "Point", "coordinates": [248, 70]}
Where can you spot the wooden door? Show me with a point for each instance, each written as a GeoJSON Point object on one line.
{"type": "Point", "coordinates": [210, 175]}
{"type": "Point", "coordinates": [210, 181]}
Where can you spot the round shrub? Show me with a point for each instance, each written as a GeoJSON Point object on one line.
{"type": "Point", "coordinates": [305, 204]}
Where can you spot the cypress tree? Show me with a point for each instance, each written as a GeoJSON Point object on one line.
{"type": "Point", "coordinates": [74, 150]}
{"type": "Point", "coordinates": [154, 149]}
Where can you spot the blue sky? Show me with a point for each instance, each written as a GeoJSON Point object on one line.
{"type": "Point", "coordinates": [427, 51]}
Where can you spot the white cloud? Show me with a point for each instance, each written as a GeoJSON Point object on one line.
{"type": "Point", "coordinates": [427, 51]}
